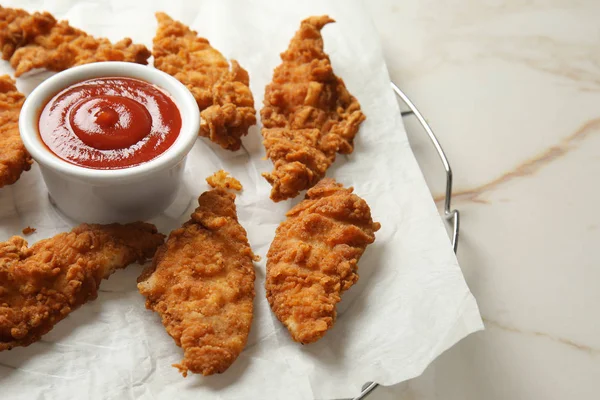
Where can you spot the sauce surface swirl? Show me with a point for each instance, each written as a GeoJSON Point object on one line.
{"type": "Point", "coordinates": [110, 123]}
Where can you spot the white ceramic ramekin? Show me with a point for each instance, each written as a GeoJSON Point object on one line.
{"type": "Point", "coordinates": [118, 195]}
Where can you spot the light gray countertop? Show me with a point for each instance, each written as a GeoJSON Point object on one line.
{"type": "Point", "coordinates": [512, 90]}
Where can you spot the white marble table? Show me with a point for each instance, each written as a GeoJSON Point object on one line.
{"type": "Point", "coordinates": [512, 89]}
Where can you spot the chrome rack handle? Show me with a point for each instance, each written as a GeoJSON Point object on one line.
{"type": "Point", "coordinates": [451, 216]}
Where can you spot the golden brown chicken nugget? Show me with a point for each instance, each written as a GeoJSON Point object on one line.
{"type": "Point", "coordinates": [308, 114]}
{"type": "Point", "coordinates": [222, 91]}
{"type": "Point", "coordinates": [314, 258]}
{"type": "Point", "coordinates": [201, 283]}
{"type": "Point", "coordinates": [40, 285]}
{"type": "Point", "coordinates": [14, 159]}
{"type": "Point", "coordinates": [38, 40]}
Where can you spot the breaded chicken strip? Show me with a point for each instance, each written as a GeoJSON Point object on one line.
{"type": "Point", "coordinates": [308, 114]}
{"type": "Point", "coordinates": [37, 40]}
{"type": "Point", "coordinates": [201, 282]}
{"type": "Point", "coordinates": [314, 256]}
{"type": "Point", "coordinates": [40, 285]}
{"type": "Point", "coordinates": [14, 159]}
{"type": "Point", "coordinates": [222, 92]}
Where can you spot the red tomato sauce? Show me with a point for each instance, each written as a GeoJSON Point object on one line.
{"type": "Point", "coordinates": [110, 123]}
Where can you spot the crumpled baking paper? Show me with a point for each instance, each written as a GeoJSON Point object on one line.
{"type": "Point", "coordinates": [410, 304]}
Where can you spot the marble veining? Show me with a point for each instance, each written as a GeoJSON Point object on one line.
{"type": "Point", "coordinates": [512, 90]}
{"type": "Point", "coordinates": [567, 342]}
{"type": "Point", "coordinates": [528, 167]}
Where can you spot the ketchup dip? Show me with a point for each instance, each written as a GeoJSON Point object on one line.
{"type": "Point", "coordinates": [109, 123]}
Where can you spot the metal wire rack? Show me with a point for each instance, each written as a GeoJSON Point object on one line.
{"type": "Point", "coordinates": [451, 216]}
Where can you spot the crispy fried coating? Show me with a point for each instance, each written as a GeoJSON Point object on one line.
{"type": "Point", "coordinates": [40, 285]}
{"type": "Point", "coordinates": [38, 40]}
{"type": "Point", "coordinates": [314, 256]}
{"type": "Point", "coordinates": [14, 159]}
{"type": "Point", "coordinates": [299, 163]}
{"type": "Point", "coordinates": [308, 114]}
{"type": "Point", "coordinates": [201, 282]}
{"type": "Point", "coordinates": [223, 180]}
{"type": "Point", "coordinates": [224, 98]}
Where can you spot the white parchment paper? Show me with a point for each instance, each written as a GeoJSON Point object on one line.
{"type": "Point", "coordinates": [410, 304]}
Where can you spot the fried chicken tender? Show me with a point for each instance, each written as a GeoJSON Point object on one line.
{"type": "Point", "coordinates": [40, 285]}
{"type": "Point", "coordinates": [38, 40]}
{"type": "Point", "coordinates": [14, 159]}
{"type": "Point", "coordinates": [308, 114]}
{"type": "Point", "coordinates": [314, 256]}
{"type": "Point", "coordinates": [201, 282]}
{"type": "Point", "coordinates": [224, 98]}
{"type": "Point", "coordinates": [223, 180]}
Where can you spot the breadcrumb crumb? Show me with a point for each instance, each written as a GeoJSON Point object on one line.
{"type": "Point", "coordinates": [28, 231]}
{"type": "Point", "coordinates": [223, 180]}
